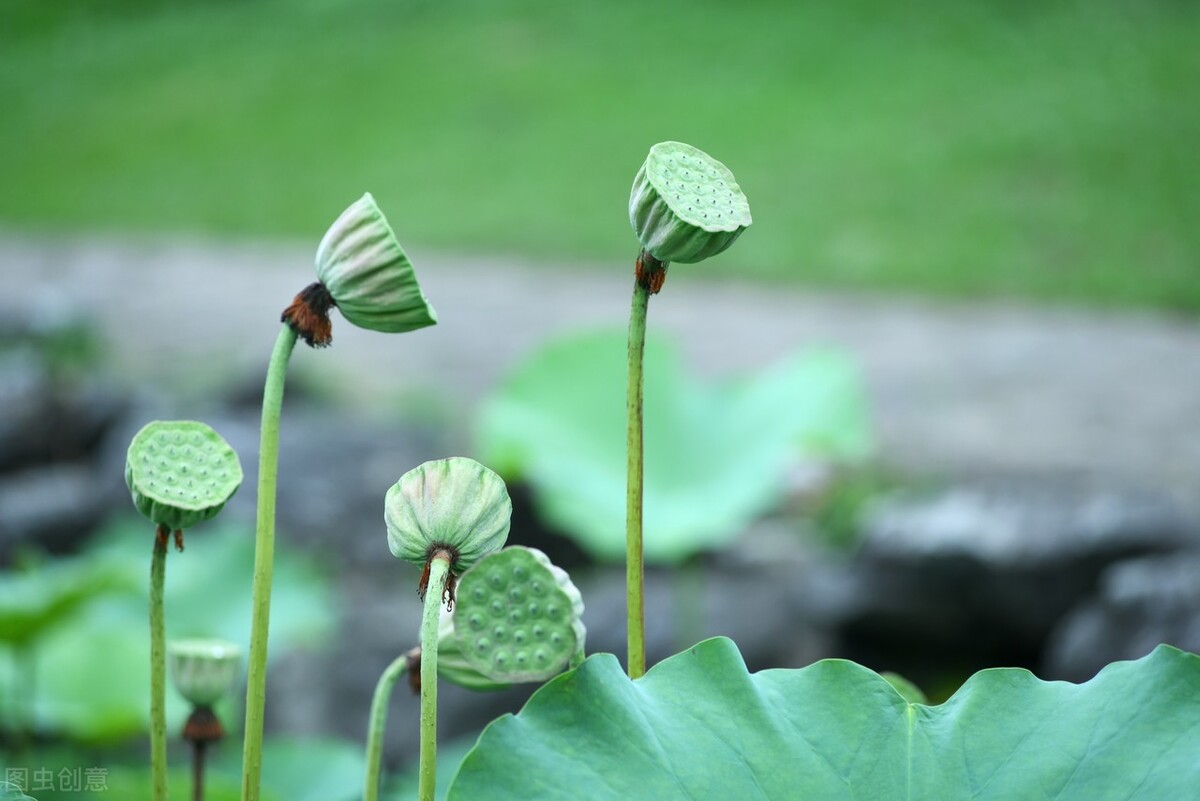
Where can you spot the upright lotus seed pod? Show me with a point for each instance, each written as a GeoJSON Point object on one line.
{"type": "Point", "coordinates": [204, 672]}
{"type": "Point", "coordinates": [685, 206]}
{"type": "Point", "coordinates": [519, 617]}
{"type": "Point", "coordinates": [179, 473]}
{"type": "Point", "coordinates": [454, 505]}
{"type": "Point", "coordinates": [363, 271]}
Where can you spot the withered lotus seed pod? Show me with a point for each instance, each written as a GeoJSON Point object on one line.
{"type": "Point", "coordinates": [180, 472]}
{"type": "Point", "coordinates": [368, 274]}
{"type": "Point", "coordinates": [454, 504]}
{"type": "Point", "coordinates": [204, 671]}
{"type": "Point", "coordinates": [685, 205]}
{"type": "Point", "coordinates": [519, 617]}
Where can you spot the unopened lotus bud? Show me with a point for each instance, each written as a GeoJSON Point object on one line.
{"type": "Point", "coordinates": [367, 273]}
{"type": "Point", "coordinates": [519, 617]}
{"type": "Point", "coordinates": [456, 506]}
{"type": "Point", "coordinates": [685, 205]}
{"type": "Point", "coordinates": [204, 671]}
{"type": "Point", "coordinates": [180, 473]}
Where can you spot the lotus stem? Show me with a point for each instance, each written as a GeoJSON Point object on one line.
{"type": "Point", "coordinates": [158, 667]}
{"type": "Point", "coordinates": [649, 277]}
{"type": "Point", "coordinates": [378, 724]}
{"type": "Point", "coordinates": [264, 561]}
{"type": "Point", "coordinates": [439, 572]}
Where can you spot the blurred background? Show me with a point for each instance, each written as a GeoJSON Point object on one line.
{"type": "Point", "coordinates": [935, 411]}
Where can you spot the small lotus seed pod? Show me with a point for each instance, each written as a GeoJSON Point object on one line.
{"type": "Point", "coordinates": [368, 274]}
{"type": "Point", "coordinates": [180, 472]}
{"type": "Point", "coordinates": [519, 618]}
{"type": "Point", "coordinates": [685, 205]}
{"type": "Point", "coordinates": [455, 504]}
{"type": "Point", "coordinates": [204, 671]}
{"type": "Point", "coordinates": [453, 666]}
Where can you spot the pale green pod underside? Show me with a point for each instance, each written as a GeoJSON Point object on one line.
{"type": "Point", "coordinates": [180, 472]}
{"type": "Point", "coordinates": [456, 503]}
{"type": "Point", "coordinates": [368, 274]}
{"type": "Point", "coordinates": [204, 671]}
{"type": "Point", "coordinates": [518, 617]}
{"type": "Point", "coordinates": [685, 205]}
{"type": "Point", "coordinates": [453, 666]}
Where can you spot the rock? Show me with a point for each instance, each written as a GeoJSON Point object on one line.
{"type": "Point", "coordinates": [1139, 604]}
{"type": "Point", "coordinates": [979, 574]}
{"type": "Point", "coordinates": [53, 508]}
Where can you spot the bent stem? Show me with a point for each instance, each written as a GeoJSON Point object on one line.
{"type": "Point", "coordinates": [158, 667]}
{"type": "Point", "coordinates": [379, 711]}
{"type": "Point", "coordinates": [439, 572]}
{"type": "Point", "coordinates": [264, 561]}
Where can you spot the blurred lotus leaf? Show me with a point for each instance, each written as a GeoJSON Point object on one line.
{"type": "Point", "coordinates": [93, 667]}
{"type": "Point", "coordinates": [716, 455]}
{"type": "Point", "coordinates": [33, 601]}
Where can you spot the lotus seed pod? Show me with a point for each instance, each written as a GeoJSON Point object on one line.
{"type": "Point", "coordinates": [455, 504]}
{"type": "Point", "coordinates": [368, 274]}
{"type": "Point", "coordinates": [685, 205]}
{"type": "Point", "coordinates": [518, 617]}
{"type": "Point", "coordinates": [203, 671]}
{"type": "Point", "coordinates": [453, 666]}
{"type": "Point", "coordinates": [180, 472]}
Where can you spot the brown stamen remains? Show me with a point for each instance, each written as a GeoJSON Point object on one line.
{"type": "Point", "coordinates": [451, 579]}
{"type": "Point", "coordinates": [650, 273]}
{"type": "Point", "coordinates": [202, 726]}
{"type": "Point", "coordinates": [308, 315]}
{"type": "Point", "coordinates": [179, 540]}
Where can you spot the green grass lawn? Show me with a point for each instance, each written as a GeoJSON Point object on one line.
{"type": "Point", "coordinates": [1029, 149]}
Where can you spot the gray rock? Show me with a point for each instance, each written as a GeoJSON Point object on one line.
{"type": "Point", "coordinates": [53, 508]}
{"type": "Point", "coordinates": [981, 573]}
{"type": "Point", "coordinates": [1139, 604]}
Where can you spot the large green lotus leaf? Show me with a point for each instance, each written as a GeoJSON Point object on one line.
{"type": "Point", "coordinates": [699, 726]}
{"type": "Point", "coordinates": [716, 456]}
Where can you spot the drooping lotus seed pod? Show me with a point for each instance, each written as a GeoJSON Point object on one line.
{"type": "Point", "coordinates": [204, 671]}
{"type": "Point", "coordinates": [519, 617]}
{"type": "Point", "coordinates": [368, 274]}
{"type": "Point", "coordinates": [180, 472]}
{"type": "Point", "coordinates": [456, 505]}
{"type": "Point", "coordinates": [685, 205]}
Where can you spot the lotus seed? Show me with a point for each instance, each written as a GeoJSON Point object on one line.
{"type": "Point", "coordinates": [534, 609]}
{"type": "Point", "coordinates": [515, 616]}
{"type": "Point", "coordinates": [483, 645]}
{"type": "Point", "coordinates": [516, 594]}
{"type": "Point", "coordinates": [478, 594]}
{"type": "Point", "coordinates": [476, 621]}
{"type": "Point", "coordinates": [519, 636]}
{"type": "Point", "coordinates": [500, 659]}
{"type": "Point", "coordinates": [500, 633]}
{"type": "Point", "coordinates": [556, 638]}
{"type": "Point", "coordinates": [539, 632]}
{"type": "Point", "coordinates": [551, 610]}
{"type": "Point", "coordinates": [522, 658]}
{"type": "Point", "coordinates": [539, 656]}
{"type": "Point", "coordinates": [537, 588]}
{"type": "Point", "coordinates": [497, 607]}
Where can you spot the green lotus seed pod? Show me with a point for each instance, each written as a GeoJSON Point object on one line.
{"type": "Point", "coordinates": [368, 274]}
{"type": "Point", "coordinates": [180, 472]}
{"type": "Point", "coordinates": [685, 205]}
{"type": "Point", "coordinates": [203, 671]}
{"type": "Point", "coordinates": [453, 666]}
{"type": "Point", "coordinates": [519, 618]}
{"type": "Point", "coordinates": [456, 504]}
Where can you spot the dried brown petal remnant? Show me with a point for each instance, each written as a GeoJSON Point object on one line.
{"type": "Point", "coordinates": [202, 726]}
{"type": "Point", "coordinates": [650, 272]}
{"type": "Point", "coordinates": [308, 315]}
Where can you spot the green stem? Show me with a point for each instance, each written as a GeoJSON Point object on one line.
{"type": "Point", "coordinates": [634, 571]}
{"type": "Point", "coordinates": [158, 667]}
{"type": "Point", "coordinates": [264, 561]}
{"type": "Point", "coordinates": [379, 711]}
{"type": "Point", "coordinates": [439, 571]}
